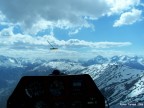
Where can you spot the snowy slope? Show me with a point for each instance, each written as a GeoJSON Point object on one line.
{"type": "Point", "coordinates": [120, 78]}
{"type": "Point", "coordinates": [117, 82]}
{"type": "Point", "coordinates": [65, 67]}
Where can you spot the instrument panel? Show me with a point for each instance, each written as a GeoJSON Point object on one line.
{"type": "Point", "coordinates": [63, 91]}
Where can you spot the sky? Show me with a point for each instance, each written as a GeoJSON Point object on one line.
{"type": "Point", "coordinates": [80, 29]}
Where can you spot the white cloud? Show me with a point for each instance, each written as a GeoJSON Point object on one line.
{"type": "Point", "coordinates": [73, 15]}
{"type": "Point", "coordinates": [19, 45]}
{"type": "Point", "coordinates": [97, 45]}
{"type": "Point", "coordinates": [119, 6]}
{"type": "Point", "coordinates": [129, 18]}
{"type": "Point", "coordinates": [108, 53]}
{"type": "Point", "coordinates": [42, 14]}
{"type": "Point", "coordinates": [14, 41]}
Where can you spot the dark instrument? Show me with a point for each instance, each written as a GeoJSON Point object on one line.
{"type": "Point", "coordinates": [56, 91]}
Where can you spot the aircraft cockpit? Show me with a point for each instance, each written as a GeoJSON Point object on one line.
{"type": "Point", "coordinates": [56, 91]}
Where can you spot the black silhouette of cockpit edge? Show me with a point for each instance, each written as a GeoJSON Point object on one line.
{"type": "Point", "coordinates": [56, 91]}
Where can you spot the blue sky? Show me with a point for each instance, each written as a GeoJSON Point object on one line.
{"type": "Point", "coordinates": [80, 29]}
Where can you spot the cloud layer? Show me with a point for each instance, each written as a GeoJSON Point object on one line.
{"type": "Point", "coordinates": [36, 15]}
{"type": "Point", "coordinates": [129, 18]}
{"type": "Point", "coordinates": [22, 45]}
{"type": "Point", "coordinates": [20, 41]}
{"type": "Point", "coordinates": [33, 16]}
{"type": "Point", "coordinates": [62, 14]}
{"type": "Point", "coordinates": [120, 6]}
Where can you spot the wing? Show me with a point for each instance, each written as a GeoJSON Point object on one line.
{"type": "Point", "coordinates": [53, 48]}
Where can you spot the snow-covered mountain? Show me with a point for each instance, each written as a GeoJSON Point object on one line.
{"type": "Point", "coordinates": [134, 61]}
{"type": "Point", "coordinates": [120, 78]}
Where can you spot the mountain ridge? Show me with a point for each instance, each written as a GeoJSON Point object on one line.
{"type": "Point", "coordinates": [117, 77]}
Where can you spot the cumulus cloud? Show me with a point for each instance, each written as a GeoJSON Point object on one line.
{"type": "Point", "coordinates": [35, 15]}
{"type": "Point", "coordinates": [128, 18]}
{"type": "Point", "coordinates": [120, 6]}
{"type": "Point", "coordinates": [46, 13]}
{"type": "Point", "coordinates": [20, 45]}
{"type": "Point", "coordinates": [19, 41]}
{"type": "Point", "coordinates": [72, 15]}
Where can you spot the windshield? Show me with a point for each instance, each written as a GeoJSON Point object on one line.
{"type": "Point", "coordinates": [102, 38]}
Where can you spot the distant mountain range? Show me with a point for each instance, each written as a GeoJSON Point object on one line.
{"type": "Point", "coordinates": [120, 78]}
